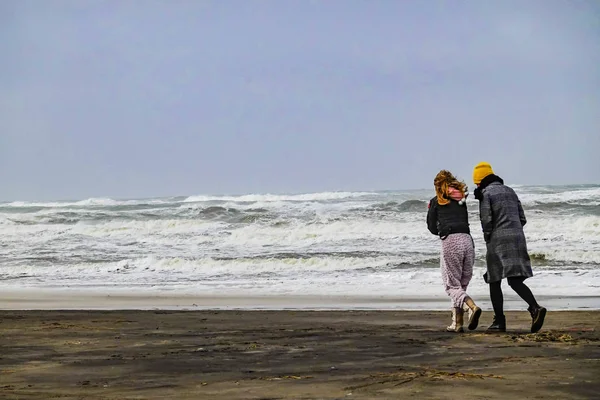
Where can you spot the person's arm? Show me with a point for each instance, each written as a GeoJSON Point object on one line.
{"type": "Point", "coordinates": [432, 217]}
{"type": "Point", "coordinates": [486, 216]}
{"type": "Point", "coordinates": [521, 213]}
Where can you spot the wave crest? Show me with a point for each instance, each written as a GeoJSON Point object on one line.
{"type": "Point", "coordinates": [254, 198]}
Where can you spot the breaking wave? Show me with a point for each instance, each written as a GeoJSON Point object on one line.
{"type": "Point", "coordinates": [341, 242]}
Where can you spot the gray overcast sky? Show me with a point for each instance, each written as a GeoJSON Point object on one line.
{"type": "Point", "coordinates": [153, 98]}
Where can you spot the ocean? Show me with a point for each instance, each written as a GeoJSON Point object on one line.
{"type": "Point", "coordinates": [336, 243]}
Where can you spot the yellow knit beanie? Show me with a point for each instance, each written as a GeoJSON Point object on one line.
{"type": "Point", "coordinates": [480, 171]}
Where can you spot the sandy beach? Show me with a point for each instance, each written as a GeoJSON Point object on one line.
{"type": "Point", "coordinates": [286, 354]}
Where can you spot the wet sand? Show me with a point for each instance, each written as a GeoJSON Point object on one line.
{"type": "Point", "coordinates": [293, 355]}
{"type": "Point", "coordinates": [126, 299]}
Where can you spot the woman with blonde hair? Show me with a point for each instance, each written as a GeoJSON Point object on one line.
{"type": "Point", "coordinates": [448, 218]}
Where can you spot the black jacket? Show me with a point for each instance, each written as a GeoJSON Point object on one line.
{"type": "Point", "coordinates": [447, 219]}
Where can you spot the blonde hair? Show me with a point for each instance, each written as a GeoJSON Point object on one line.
{"type": "Point", "coordinates": [443, 181]}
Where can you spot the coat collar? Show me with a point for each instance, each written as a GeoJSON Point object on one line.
{"type": "Point", "coordinates": [488, 180]}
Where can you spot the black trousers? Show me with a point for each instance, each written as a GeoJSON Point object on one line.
{"type": "Point", "coordinates": [518, 285]}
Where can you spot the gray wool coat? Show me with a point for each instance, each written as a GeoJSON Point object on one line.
{"type": "Point", "coordinates": [502, 219]}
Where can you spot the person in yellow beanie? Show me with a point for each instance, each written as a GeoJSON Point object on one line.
{"type": "Point", "coordinates": [502, 220]}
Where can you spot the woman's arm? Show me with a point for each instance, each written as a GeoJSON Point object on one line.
{"type": "Point", "coordinates": [486, 216]}
{"type": "Point", "coordinates": [432, 217]}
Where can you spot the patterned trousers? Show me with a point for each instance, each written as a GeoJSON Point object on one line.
{"type": "Point", "coordinates": [456, 261]}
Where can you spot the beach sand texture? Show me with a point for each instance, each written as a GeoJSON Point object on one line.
{"type": "Point", "coordinates": [293, 355]}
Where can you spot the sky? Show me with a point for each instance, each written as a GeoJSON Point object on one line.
{"type": "Point", "coordinates": [130, 99]}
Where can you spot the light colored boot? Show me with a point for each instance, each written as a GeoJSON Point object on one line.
{"type": "Point", "coordinates": [473, 313]}
{"type": "Point", "coordinates": [457, 320]}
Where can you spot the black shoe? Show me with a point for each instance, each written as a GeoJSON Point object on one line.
{"type": "Point", "coordinates": [537, 318]}
{"type": "Point", "coordinates": [499, 325]}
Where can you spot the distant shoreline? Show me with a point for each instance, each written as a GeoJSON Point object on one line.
{"type": "Point", "coordinates": [64, 299]}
